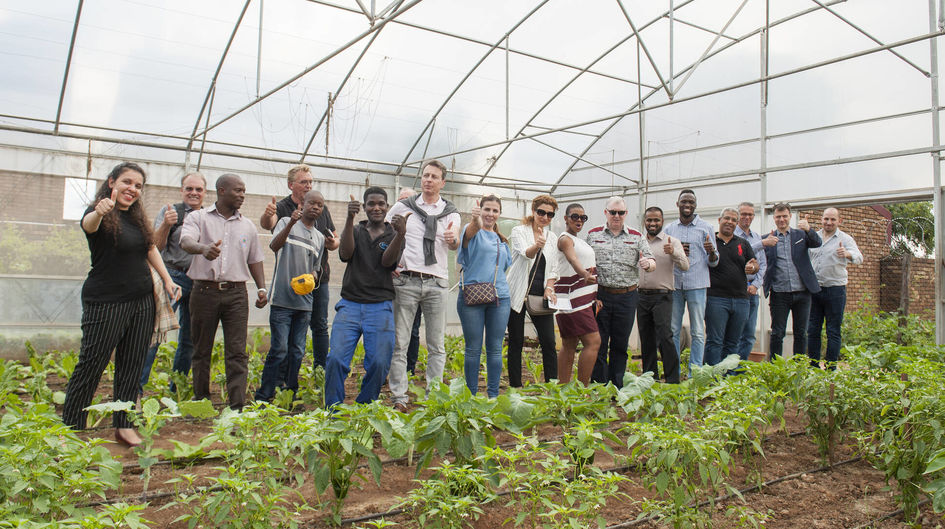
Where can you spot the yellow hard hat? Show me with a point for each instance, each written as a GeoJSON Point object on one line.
{"type": "Point", "coordinates": [303, 284]}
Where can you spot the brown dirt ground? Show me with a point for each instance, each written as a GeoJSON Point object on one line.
{"type": "Point", "coordinates": [847, 496]}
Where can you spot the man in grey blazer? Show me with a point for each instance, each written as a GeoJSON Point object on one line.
{"type": "Point", "coordinates": [790, 278]}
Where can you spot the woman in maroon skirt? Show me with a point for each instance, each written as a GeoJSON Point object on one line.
{"type": "Point", "coordinates": [576, 282]}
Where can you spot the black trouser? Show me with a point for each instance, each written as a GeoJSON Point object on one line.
{"type": "Point", "coordinates": [545, 327]}
{"type": "Point", "coordinates": [798, 305]}
{"type": "Point", "coordinates": [124, 327]}
{"type": "Point", "coordinates": [654, 322]}
{"type": "Point", "coordinates": [208, 307]}
{"type": "Point", "coordinates": [614, 322]}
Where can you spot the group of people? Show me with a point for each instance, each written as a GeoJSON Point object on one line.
{"type": "Point", "coordinates": [592, 285]}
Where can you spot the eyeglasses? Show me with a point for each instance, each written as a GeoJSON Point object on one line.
{"type": "Point", "coordinates": [545, 213]}
{"type": "Point", "coordinates": [575, 217]}
{"type": "Point", "coordinates": [617, 212]}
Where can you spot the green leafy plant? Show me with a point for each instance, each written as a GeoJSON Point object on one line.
{"type": "Point", "coordinates": [451, 499]}
{"type": "Point", "coordinates": [46, 471]}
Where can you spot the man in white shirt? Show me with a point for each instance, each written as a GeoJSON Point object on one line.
{"type": "Point", "coordinates": [433, 225]}
{"type": "Point", "coordinates": [830, 266]}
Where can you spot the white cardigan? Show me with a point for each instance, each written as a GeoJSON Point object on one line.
{"type": "Point", "coordinates": [519, 273]}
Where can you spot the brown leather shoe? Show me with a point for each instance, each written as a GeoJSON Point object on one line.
{"type": "Point", "coordinates": [401, 407]}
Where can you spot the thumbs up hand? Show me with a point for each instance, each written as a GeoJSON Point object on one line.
{"type": "Point", "coordinates": [668, 247]}
{"type": "Point", "coordinates": [296, 214]}
{"type": "Point", "coordinates": [354, 207]}
{"type": "Point", "coordinates": [770, 240]}
{"type": "Point", "coordinates": [106, 205]}
{"type": "Point", "coordinates": [271, 208]}
{"type": "Point", "coordinates": [212, 251]}
{"type": "Point", "coordinates": [476, 211]}
{"type": "Point", "coordinates": [803, 224]}
{"type": "Point", "coordinates": [842, 252]}
{"type": "Point", "coordinates": [450, 236]}
{"type": "Point", "coordinates": [170, 215]}
{"type": "Point", "coordinates": [707, 245]}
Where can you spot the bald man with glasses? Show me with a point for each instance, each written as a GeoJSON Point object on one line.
{"type": "Point", "coordinates": [621, 252]}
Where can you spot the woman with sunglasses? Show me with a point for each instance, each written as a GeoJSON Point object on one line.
{"type": "Point", "coordinates": [533, 273]}
{"type": "Point", "coordinates": [484, 257]}
{"type": "Point", "coordinates": [576, 266]}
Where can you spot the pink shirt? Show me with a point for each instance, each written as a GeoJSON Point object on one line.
{"type": "Point", "coordinates": [240, 247]}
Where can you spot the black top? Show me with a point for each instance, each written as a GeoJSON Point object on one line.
{"type": "Point", "coordinates": [366, 281]}
{"type": "Point", "coordinates": [323, 223]}
{"type": "Point", "coordinates": [537, 273]}
{"type": "Point", "coordinates": [728, 279]}
{"type": "Point", "coordinates": [119, 269]}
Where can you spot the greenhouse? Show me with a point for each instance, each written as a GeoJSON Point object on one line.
{"type": "Point", "coordinates": [825, 105]}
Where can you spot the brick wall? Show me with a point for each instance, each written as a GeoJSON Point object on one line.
{"type": "Point", "coordinates": [868, 225]}
{"type": "Point", "coordinates": [921, 286]}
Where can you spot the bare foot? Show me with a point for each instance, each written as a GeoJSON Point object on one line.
{"type": "Point", "coordinates": [127, 437]}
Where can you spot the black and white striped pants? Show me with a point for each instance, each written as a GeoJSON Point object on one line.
{"type": "Point", "coordinates": [124, 327]}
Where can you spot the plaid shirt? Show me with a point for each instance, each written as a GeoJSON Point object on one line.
{"type": "Point", "coordinates": [164, 319]}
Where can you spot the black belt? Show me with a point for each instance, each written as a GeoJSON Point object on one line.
{"type": "Point", "coordinates": [421, 275]}
{"type": "Point", "coordinates": [220, 285]}
{"type": "Point", "coordinates": [175, 267]}
{"type": "Point", "coordinates": [621, 290]}
{"type": "Point", "coordinates": [652, 291]}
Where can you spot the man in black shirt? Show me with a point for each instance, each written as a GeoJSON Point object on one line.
{"type": "Point", "coordinates": [372, 250]}
{"type": "Point", "coordinates": [727, 297]}
{"type": "Point", "coordinates": [300, 182]}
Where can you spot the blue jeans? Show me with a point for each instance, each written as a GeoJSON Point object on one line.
{"type": "Point", "coordinates": [319, 324]}
{"type": "Point", "coordinates": [724, 322]}
{"type": "Point", "coordinates": [747, 340]}
{"type": "Point", "coordinates": [615, 322]}
{"type": "Point", "coordinates": [695, 299]}
{"type": "Point", "coordinates": [288, 328]}
{"type": "Point", "coordinates": [185, 347]}
{"type": "Point", "coordinates": [492, 319]}
{"type": "Point", "coordinates": [826, 306]}
{"type": "Point", "coordinates": [375, 321]}
{"type": "Point", "coordinates": [798, 305]}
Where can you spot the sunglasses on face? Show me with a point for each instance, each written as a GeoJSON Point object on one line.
{"type": "Point", "coordinates": [617, 212]}
{"type": "Point", "coordinates": [575, 217]}
{"type": "Point", "coordinates": [545, 213]}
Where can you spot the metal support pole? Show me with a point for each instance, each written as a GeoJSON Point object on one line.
{"type": "Point", "coordinates": [641, 133]}
{"type": "Point", "coordinates": [672, 20]}
{"type": "Point", "coordinates": [259, 48]}
{"type": "Point", "coordinates": [65, 75]}
{"type": "Point", "coordinates": [763, 174]}
{"type": "Point", "coordinates": [936, 183]}
{"type": "Point", "coordinates": [507, 87]}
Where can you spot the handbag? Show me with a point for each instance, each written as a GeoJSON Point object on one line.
{"type": "Point", "coordinates": [482, 293]}
{"type": "Point", "coordinates": [535, 305]}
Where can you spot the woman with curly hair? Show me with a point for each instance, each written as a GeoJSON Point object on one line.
{"type": "Point", "coordinates": [117, 297]}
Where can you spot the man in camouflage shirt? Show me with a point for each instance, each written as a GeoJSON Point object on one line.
{"type": "Point", "coordinates": [620, 252]}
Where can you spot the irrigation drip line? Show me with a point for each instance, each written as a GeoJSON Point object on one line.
{"type": "Point", "coordinates": [887, 516]}
{"type": "Point", "coordinates": [746, 490]}
{"type": "Point", "coordinates": [622, 469]}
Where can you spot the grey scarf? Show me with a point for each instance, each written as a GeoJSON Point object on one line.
{"type": "Point", "coordinates": [429, 221]}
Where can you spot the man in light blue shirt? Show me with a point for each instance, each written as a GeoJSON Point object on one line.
{"type": "Point", "coordinates": [698, 240]}
{"type": "Point", "coordinates": [830, 265]}
{"type": "Point", "coordinates": [746, 214]}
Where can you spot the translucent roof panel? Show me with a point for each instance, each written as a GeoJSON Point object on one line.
{"type": "Point", "coordinates": [555, 106]}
